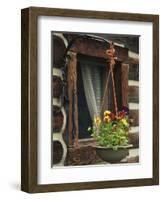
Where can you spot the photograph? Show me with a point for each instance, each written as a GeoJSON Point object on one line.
{"type": "Point", "coordinates": [90, 99]}
{"type": "Point", "coordinates": [95, 99]}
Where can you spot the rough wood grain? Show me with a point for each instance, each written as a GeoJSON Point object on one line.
{"type": "Point", "coordinates": [132, 60]}
{"type": "Point", "coordinates": [124, 83]}
{"type": "Point", "coordinates": [133, 71]}
{"type": "Point", "coordinates": [73, 100]}
{"type": "Point", "coordinates": [134, 115]}
{"type": "Point", "coordinates": [57, 121]}
{"type": "Point", "coordinates": [70, 104]}
{"type": "Point", "coordinates": [58, 51]}
{"type": "Point", "coordinates": [134, 139]}
{"type": "Point", "coordinates": [105, 104]}
{"type": "Point", "coordinates": [73, 57]}
{"type": "Point", "coordinates": [57, 152]}
{"type": "Point", "coordinates": [57, 86]}
{"type": "Point", "coordinates": [82, 155]}
{"type": "Point", "coordinates": [133, 93]}
{"type": "Point", "coordinates": [91, 47]}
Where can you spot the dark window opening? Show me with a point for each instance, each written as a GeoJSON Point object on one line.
{"type": "Point", "coordinates": [84, 117]}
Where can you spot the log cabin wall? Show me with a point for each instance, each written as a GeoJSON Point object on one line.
{"type": "Point", "coordinates": [84, 153]}
{"type": "Point", "coordinates": [133, 97]}
{"type": "Point", "coordinates": [59, 118]}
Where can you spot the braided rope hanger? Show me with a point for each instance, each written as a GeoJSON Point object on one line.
{"type": "Point", "coordinates": [111, 55]}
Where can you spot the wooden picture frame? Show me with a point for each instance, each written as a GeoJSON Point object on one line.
{"type": "Point", "coordinates": [29, 112]}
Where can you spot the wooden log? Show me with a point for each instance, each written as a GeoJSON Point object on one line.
{"type": "Point", "coordinates": [97, 48]}
{"type": "Point", "coordinates": [57, 121]}
{"type": "Point", "coordinates": [118, 84]}
{"type": "Point", "coordinates": [118, 88]}
{"type": "Point", "coordinates": [133, 91]}
{"type": "Point", "coordinates": [70, 108]}
{"type": "Point", "coordinates": [134, 72]}
{"type": "Point", "coordinates": [104, 104]}
{"type": "Point", "coordinates": [57, 86]}
{"type": "Point", "coordinates": [124, 84]}
{"type": "Point", "coordinates": [58, 51]}
{"type": "Point", "coordinates": [134, 139]}
{"type": "Point", "coordinates": [133, 99]}
{"type": "Point", "coordinates": [132, 61]}
{"type": "Point", "coordinates": [121, 53]}
{"type": "Point", "coordinates": [57, 152]}
{"type": "Point", "coordinates": [133, 94]}
{"type": "Point", "coordinates": [82, 155]}
{"type": "Point", "coordinates": [56, 109]}
{"type": "Point", "coordinates": [73, 99]}
{"type": "Point", "coordinates": [134, 115]}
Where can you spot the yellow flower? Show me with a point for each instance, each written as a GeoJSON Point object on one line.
{"type": "Point", "coordinates": [124, 121]}
{"type": "Point", "coordinates": [107, 119]}
{"type": "Point", "coordinates": [97, 121]}
{"type": "Point", "coordinates": [107, 113]}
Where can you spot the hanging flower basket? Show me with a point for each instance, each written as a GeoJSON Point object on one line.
{"type": "Point", "coordinates": [111, 130]}
{"type": "Point", "coordinates": [111, 134]}
{"type": "Point", "coordinates": [110, 155]}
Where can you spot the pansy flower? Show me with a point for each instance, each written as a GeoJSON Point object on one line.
{"type": "Point", "coordinates": [125, 123]}
{"type": "Point", "coordinates": [112, 116]}
{"type": "Point", "coordinates": [107, 119]}
{"type": "Point", "coordinates": [121, 114]}
{"type": "Point", "coordinates": [97, 120]}
{"type": "Point", "coordinates": [125, 109]}
{"type": "Point", "coordinates": [107, 113]}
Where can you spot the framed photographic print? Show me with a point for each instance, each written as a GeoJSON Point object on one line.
{"type": "Point", "coordinates": [90, 99]}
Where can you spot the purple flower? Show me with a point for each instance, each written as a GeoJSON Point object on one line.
{"type": "Point", "coordinates": [125, 109]}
